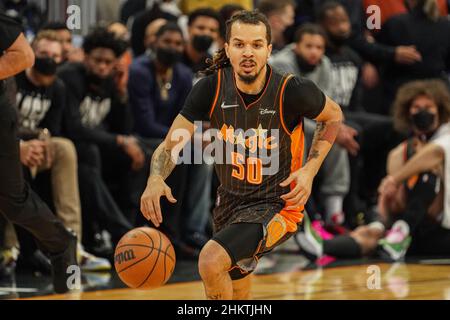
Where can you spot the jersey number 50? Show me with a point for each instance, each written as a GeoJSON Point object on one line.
{"type": "Point", "coordinates": [254, 168]}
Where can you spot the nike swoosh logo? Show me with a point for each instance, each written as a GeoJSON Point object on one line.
{"type": "Point", "coordinates": [224, 106]}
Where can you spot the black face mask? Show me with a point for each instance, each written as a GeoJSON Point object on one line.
{"type": "Point", "coordinates": [45, 66]}
{"type": "Point", "coordinates": [202, 43]}
{"type": "Point", "coordinates": [167, 57]}
{"type": "Point", "coordinates": [423, 121]}
{"type": "Point", "coordinates": [304, 65]}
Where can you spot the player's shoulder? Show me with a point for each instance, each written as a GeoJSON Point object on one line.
{"type": "Point", "coordinates": [296, 82]}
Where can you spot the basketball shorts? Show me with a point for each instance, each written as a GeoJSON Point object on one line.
{"type": "Point", "coordinates": [247, 242]}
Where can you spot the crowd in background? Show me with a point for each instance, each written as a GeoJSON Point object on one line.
{"type": "Point", "coordinates": [90, 116]}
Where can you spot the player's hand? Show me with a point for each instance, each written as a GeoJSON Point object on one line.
{"type": "Point", "coordinates": [388, 186]}
{"type": "Point", "coordinates": [370, 76]}
{"type": "Point", "coordinates": [407, 55]}
{"type": "Point", "coordinates": [150, 200]}
{"type": "Point", "coordinates": [386, 193]}
{"type": "Point", "coordinates": [298, 196]}
{"type": "Point", "coordinates": [32, 153]}
{"type": "Point", "coordinates": [346, 139]}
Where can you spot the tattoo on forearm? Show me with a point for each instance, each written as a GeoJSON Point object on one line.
{"type": "Point", "coordinates": [162, 163]}
{"type": "Point", "coordinates": [330, 131]}
{"type": "Point", "coordinates": [314, 152]}
{"type": "Point", "coordinates": [325, 131]}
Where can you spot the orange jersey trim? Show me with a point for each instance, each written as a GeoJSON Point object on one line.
{"type": "Point", "coordinates": [295, 216]}
{"type": "Point", "coordinates": [216, 97]}
{"type": "Point", "coordinates": [283, 87]}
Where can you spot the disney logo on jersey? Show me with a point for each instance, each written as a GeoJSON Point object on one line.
{"type": "Point", "coordinates": [267, 111]}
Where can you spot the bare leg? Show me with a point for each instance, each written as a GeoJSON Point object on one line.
{"type": "Point", "coordinates": [241, 288]}
{"type": "Point", "coordinates": [213, 264]}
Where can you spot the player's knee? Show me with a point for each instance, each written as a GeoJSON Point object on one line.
{"type": "Point", "coordinates": [213, 260]}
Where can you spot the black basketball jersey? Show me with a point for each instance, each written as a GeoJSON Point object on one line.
{"type": "Point", "coordinates": [258, 151]}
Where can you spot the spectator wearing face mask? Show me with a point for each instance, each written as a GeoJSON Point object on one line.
{"type": "Point", "coordinates": [150, 34]}
{"type": "Point", "coordinates": [203, 29]}
{"type": "Point", "coordinates": [159, 83]}
{"type": "Point", "coordinates": [70, 53]}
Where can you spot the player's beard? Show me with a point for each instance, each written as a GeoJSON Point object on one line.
{"type": "Point", "coordinates": [250, 78]}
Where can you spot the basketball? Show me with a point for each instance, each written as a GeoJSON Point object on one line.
{"type": "Point", "coordinates": [144, 258]}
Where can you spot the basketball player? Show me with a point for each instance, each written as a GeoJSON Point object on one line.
{"type": "Point", "coordinates": [254, 212]}
{"type": "Point", "coordinates": [18, 203]}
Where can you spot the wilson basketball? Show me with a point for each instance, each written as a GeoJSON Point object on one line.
{"type": "Point", "coordinates": [144, 258]}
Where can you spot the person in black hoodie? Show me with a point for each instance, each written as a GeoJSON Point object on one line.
{"type": "Point", "coordinates": [98, 121]}
{"type": "Point", "coordinates": [204, 25]}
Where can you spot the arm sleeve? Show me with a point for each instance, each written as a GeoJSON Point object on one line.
{"type": "Point", "coordinates": [9, 32]}
{"type": "Point", "coordinates": [119, 119]}
{"type": "Point", "coordinates": [302, 98]}
{"type": "Point", "coordinates": [54, 117]}
{"type": "Point", "coordinates": [140, 94]}
{"type": "Point", "coordinates": [199, 100]}
{"type": "Point", "coordinates": [374, 52]}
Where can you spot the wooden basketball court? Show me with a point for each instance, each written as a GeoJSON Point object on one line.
{"type": "Point", "coordinates": [396, 281]}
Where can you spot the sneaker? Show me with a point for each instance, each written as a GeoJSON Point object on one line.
{"type": "Point", "coordinates": [309, 241]}
{"type": "Point", "coordinates": [60, 266]}
{"type": "Point", "coordinates": [101, 245]}
{"type": "Point", "coordinates": [397, 241]}
{"type": "Point", "coordinates": [8, 259]}
{"type": "Point", "coordinates": [37, 263]}
{"type": "Point", "coordinates": [89, 262]}
{"type": "Point", "coordinates": [320, 230]}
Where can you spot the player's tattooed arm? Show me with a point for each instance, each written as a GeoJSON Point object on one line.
{"type": "Point", "coordinates": [325, 131]}
{"type": "Point", "coordinates": [162, 163]}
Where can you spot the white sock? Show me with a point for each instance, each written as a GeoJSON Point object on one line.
{"type": "Point", "coordinates": [333, 205]}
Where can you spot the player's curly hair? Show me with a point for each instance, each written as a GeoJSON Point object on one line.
{"type": "Point", "coordinates": [220, 59]}
{"type": "Point", "coordinates": [435, 89]}
{"type": "Point", "coordinates": [100, 37]}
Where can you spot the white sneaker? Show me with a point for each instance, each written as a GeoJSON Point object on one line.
{"type": "Point", "coordinates": [309, 241]}
{"type": "Point", "coordinates": [397, 241]}
{"type": "Point", "coordinates": [89, 262]}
